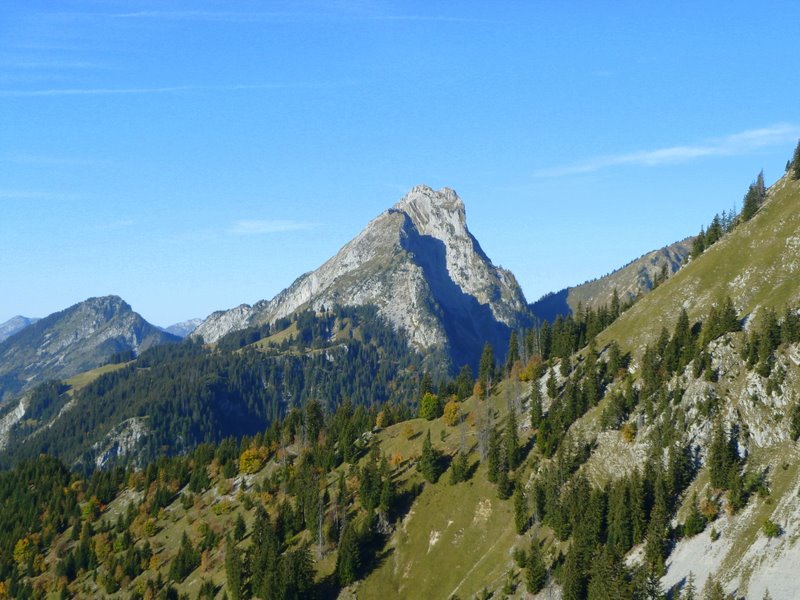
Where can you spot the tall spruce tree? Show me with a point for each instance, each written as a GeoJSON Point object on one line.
{"type": "Point", "coordinates": [486, 367]}
{"type": "Point", "coordinates": [428, 464]}
{"type": "Point", "coordinates": [536, 572]}
{"type": "Point", "coordinates": [522, 516]}
{"type": "Point", "coordinates": [348, 560]}
{"type": "Point", "coordinates": [512, 356]}
{"type": "Point", "coordinates": [233, 571]}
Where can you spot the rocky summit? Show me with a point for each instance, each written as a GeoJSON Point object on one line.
{"type": "Point", "coordinates": [423, 269]}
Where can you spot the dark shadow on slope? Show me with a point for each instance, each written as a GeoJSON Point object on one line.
{"type": "Point", "coordinates": [551, 306]}
{"type": "Point", "coordinates": [467, 323]}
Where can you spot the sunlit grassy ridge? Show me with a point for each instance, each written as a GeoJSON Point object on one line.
{"type": "Point", "coordinates": [757, 265]}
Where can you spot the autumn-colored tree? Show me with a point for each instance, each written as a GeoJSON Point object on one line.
{"type": "Point", "coordinates": [452, 413]}
{"type": "Point", "coordinates": [252, 460]}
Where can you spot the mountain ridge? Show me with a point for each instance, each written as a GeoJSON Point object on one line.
{"type": "Point", "coordinates": [423, 269]}
{"type": "Point", "coordinates": [633, 280]}
{"type": "Point", "coordinates": [78, 338]}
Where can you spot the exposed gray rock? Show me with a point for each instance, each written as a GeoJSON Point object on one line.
{"type": "Point", "coordinates": [121, 441]}
{"type": "Point", "coordinates": [419, 264]}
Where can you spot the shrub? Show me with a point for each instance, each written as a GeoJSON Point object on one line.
{"type": "Point", "coordinates": [771, 529]}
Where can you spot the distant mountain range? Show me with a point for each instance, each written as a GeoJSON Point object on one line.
{"type": "Point", "coordinates": [13, 325]}
{"type": "Point", "coordinates": [76, 339]}
{"type": "Point", "coordinates": [184, 328]}
{"type": "Point", "coordinates": [631, 281]}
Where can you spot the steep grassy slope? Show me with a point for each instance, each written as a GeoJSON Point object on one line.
{"type": "Point", "coordinates": [757, 265]}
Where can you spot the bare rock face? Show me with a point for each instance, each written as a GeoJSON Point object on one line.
{"type": "Point", "coordinates": [419, 264]}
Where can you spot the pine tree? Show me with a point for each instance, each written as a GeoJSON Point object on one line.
{"type": "Point", "coordinates": [689, 591]}
{"type": "Point", "coordinates": [521, 512]}
{"type": "Point", "coordinates": [536, 572]}
{"type": "Point", "coordinates": [486, 367]}
{"type": "Point", "coordinates": [699, 243]}
{"type": "Point", "coordinates": [233, 570]}
{"type": "Point", "coordinates": [428, 464]}
{"type": "Point", "coordinates": [512, 356]}
{"type": "Point", "coordinates": [537, 412]}
{"type": "Point", "coordinates": [615, 305]}
{"type": "Point", "coordinates": [348, 560]}
{"type": "Point", "coordinates": [712, 590]}
{"type": "Point", "coordinates": [796, 162]}
{"type": "Point", "coordinates": [460, 468]}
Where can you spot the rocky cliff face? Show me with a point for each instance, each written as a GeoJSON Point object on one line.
{"type": "Point", "coordinates": [79, 338]}
{"type": "Point", "coordinates": [421, 266]}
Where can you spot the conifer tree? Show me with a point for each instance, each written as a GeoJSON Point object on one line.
{"type": "Point", "coordinates": [460, 468]}
{"type": "Point", "coordinates": [348, 560]}
{"type": "Point", "coordinates": [536, 572]}
{"type": "Point", "coordinates": [796, 162]}
{"type": "Point", "coordinates": [505, 485]}
{"type": "Point", "coordinates": [428, 464]}
{"type": "Point", "coordinates": [689, 591]}
{"type": "Point", "coordinates": [486, 367]}
{"type": "Point", "coordinates": [699, 243]}
{"type": "Point", "coordinates": [493, 456]}
{"type": "Point", "coordinates": [521, 512]}
{"type": "Point", "coordinates": [511, 440]}
{"type": "Point", "coordinates": [537, 412]}
{"type": "Point", "coordinates": [722, 457]}
{"type": "Point", "coordinates": [695, 521]}
{"type": "Point", "coordinates": [233, 570]}
{"type": "Point", "coordinates": [615, 305]}
{"type": "Point", "coordinates": [637, 503]}
{"type": "Point", "coordinates": [512, 355]}
{"type": "Point", "coordinates": [713, 590]}
{"type": "Point", "coordinates": [573, 580]}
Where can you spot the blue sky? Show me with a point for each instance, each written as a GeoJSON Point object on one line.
{"type": "Point", "coordinates": [191, 156]}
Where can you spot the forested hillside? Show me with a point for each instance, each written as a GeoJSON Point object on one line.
{"type": "Point", "coordinates": [174, 397]}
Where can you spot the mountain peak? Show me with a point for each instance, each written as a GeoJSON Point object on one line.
{"type": "Point", "coordinates": [423, 270]}
{"type": "Point", "coordinates": [437, 213]}
{"type": "Point", "coordinates": [75, 339]}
